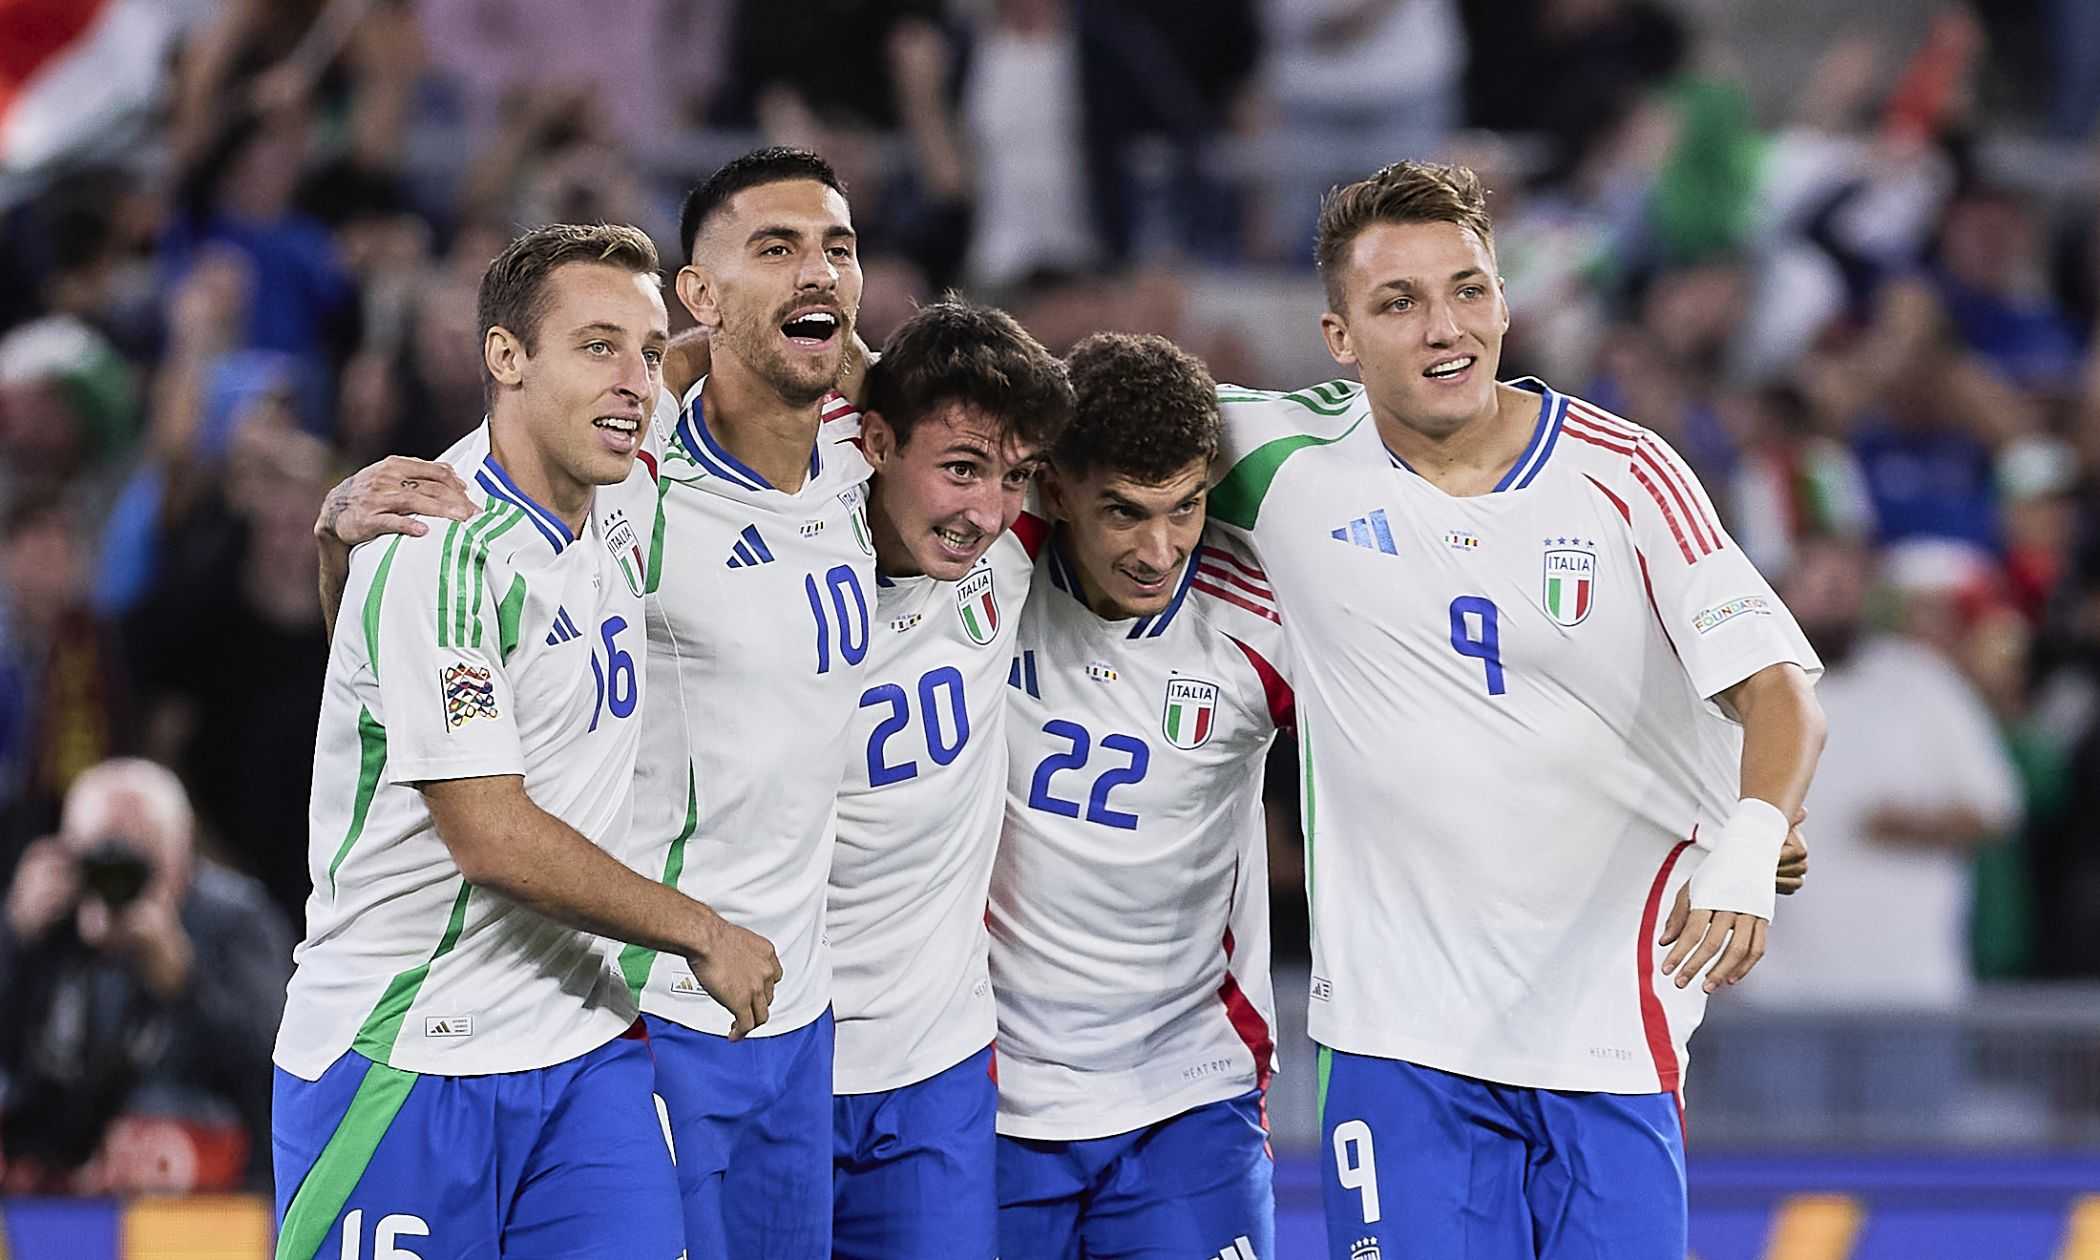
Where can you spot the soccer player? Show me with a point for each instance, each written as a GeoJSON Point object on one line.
{"type": "Point", "coordinates": [962, 404]}
{"type": "Point", "coordinates": [458, 1061]}
{"type": "Point", "coordinates": [758, 623]}
{"type": "Point", "coordinates": [1538, 687]}
{"type": "Point", "coordinates": [1129, 908]}
{"type": "Point", "coordinates": [758, 636]}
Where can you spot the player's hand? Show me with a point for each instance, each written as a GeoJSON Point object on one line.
{"type": "Point", "coordinates": [47, 885]}
{"type": "Point", "coordinates": [1732, 941]}
{"type": "Point", "coordinates": [386, 497]}
{"type": "Point", "coordinates": [738, 969]}
{"type": "Point", "coordinates": [1793, 870]}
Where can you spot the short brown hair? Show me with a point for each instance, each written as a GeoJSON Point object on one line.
{"type": "Point", "coordinates": [1404, 192]}
{"type": "Point", "coordinates": [956, 351]}
{"type": "Point", "coordinates": [1147, 409]}
{"type": "Point", "coordinates": [514, 291]}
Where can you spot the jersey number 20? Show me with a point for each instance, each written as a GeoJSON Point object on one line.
{"type": "Point", "coordinates": [945, 736]}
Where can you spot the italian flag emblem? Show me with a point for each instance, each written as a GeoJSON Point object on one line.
{"type": "Point", "coordinates": [1570, 580]}
{"type": "Point", "coordinates": [978, 605]}
{"type": "Point", "coordinates": [1191, 713]}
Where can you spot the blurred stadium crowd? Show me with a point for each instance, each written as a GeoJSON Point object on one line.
{"type": "Point", "coordinates": [1852, 274]}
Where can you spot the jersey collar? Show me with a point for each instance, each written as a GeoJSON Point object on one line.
{"type": "Point", "coordinates": [1544, 434]}
{"type": "Point", "coordinates": [714, 458]}
{"type": "Point", "coordinates": [497, 484]}
{"type": "Point", "coordinates": [1065, 578]}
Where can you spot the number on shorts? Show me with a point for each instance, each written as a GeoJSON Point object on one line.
{"type": "Point", "coordinates": [390, 1228]}
{"type": "Point", "coordinates": [1356, 1165]}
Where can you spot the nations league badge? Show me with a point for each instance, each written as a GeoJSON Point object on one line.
{"type": "Point", "coordinates": [626, 551]}
{"type": "Point", "coordinates": [1192, 712]}
{"type": "Point", "coordinates": [978, 605]}
{"type": "Point", "coordinates": [1571, 580]}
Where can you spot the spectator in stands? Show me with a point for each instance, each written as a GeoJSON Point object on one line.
{"type": "Point", "coordinates": [63, 701]}
{"type": "Point", "coordinates": [1021, 108]}
{"type": "Point", "coordinates": [144, 988]}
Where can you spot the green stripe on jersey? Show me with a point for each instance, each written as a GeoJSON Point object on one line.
{"type": "Point", "coordinates": [371, 759]}
{"type": "Point", "coordinates": [342, 1162]}
{"type": "Point", "coordinates": [1238, 496]}
{"type": "Point", "coordinates": [444, 606]}
{"type": "Point", "coordinates": [635, 961]}
{"type": "Point", "coordinates": [372, 599]}
{"type": "Point", "coordinates": [375, 1040]}
{"type": "Point", "coordinates": [1306, 790]}
{"type": "Point", "coordinates": [463, 562]}
{"type": "Point", "coordinates": [508, 614]}
{"type": "Point", "coordinates": [655, 576]}
{"type": "Point", "coordinates": [481, 563]}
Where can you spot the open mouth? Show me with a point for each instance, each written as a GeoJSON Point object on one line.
{"type": "Point", "coordinates": [1448, 369]}
{"type": "Point", "coordinates": [1149, 585]}
{"type": "Point", "coordinates": [961, 542]}
{"type": "Point", "coordinates": [621, 432]}
{"type": "Point", "coordinates": [811, 329]}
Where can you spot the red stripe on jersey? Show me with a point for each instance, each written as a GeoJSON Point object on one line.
{"type": "Point", "coordinates": [1033, 531]}
{"type": "Point", "coordinates": [837, 406]}
{"type": "Point", "coordinates": [1685, 500]}
{"type": "Point", "coordinates": [1654, 1023]}
{"type": "Point", "coordinates": [1663, 505]}
{"type": "Point", "coordinates": [1229, 577]}
{"type": "Point", "coordinates": [648, 462]}
{"type": "Point", "coordinates": [1604, 421]}
{"type": "Point", "coordinates": [1681, 478]}
{"type": "Point", "coordinates": [1251, 571]}
{"type": "Point", "coordinates": [1233, 597]}
{"type": "Point", "coordinates": [1252, 1028]}
{"type": "Point", "coordinates": [1283, 702]}
{"type": "Point", "coordinates": [1574, 430]}
{"type": "Point", "coordinates": [1616, 501]}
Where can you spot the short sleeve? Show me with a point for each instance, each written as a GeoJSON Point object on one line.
{"type": "Point", "coordinates": [432, 637]}
{"type": "Point", "coordinates": [1719, 612]}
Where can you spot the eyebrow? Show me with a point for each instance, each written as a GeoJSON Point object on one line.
{"type": "Point", "coordinates": [1405, 282]}
{"type": "Point", "coordinates": [653, 336]}
{"type": "Point", "coordinates": [836, 231]}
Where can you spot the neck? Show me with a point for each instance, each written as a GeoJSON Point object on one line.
{"type": "Point", "coordinates": [1471, 458]}
{"type": "Point", "coordinates": [769, 435]}
{"type": "Point", "coordinates": [892, 557]}
{"type": "Point", "coordinates": [535, 473]}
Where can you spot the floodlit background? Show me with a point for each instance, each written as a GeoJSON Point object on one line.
{"type": "Point", "coordinates": [1844, 254]}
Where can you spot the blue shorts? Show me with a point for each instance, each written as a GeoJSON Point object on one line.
{"type": "Point", "coordinates": [1426, 1164]}
{"type": "Point", "coordinates": [751, 1125]}
{"type": "Point", "coordinates": [911, 1168]}
{"type": "Point", "coordinates": [562, 1161]}
{"type": "Point", "coordinates": [1197, 1186]}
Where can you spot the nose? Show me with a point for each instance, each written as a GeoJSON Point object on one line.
{"type": "Point", "coordinates": [817, 271]}
{"type": "Point", "coordinates": [985, 506]}
{"type": "Point", "coordinates": [1156, 549]}
{"type": "Point", "coordinates": [636, 382]}
{"type": "Point", "coordinates": [1441, 328]}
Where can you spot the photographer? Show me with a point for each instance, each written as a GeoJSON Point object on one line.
{"type": "Point", "coordinates": [144, 988]}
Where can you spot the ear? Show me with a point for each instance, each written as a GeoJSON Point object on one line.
{"type": "Point", "coordinates": [878, 441]}
{"type": "Point", "coordinates": [1052, 490]}
{"type": "Point", "coordinates": [1334, 330]}
{"type": "Point", "coordinates": [504, 356]}
{"type": "Point", "coordinates": [696, 292]}
{"type": "Point", "coordinates": [1502, 291]}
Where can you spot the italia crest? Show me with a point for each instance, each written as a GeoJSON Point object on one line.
{"type": "Point", "coordinates": [978, 605]}
{"type": "Point", "coordinates": [1191, 712]}
{"type": "Point", "coordinates": [1570, 580]}
{"type": "Point", "coordinates": [626, 551]}
{"type": "Point", "coordinates": [855, 501]}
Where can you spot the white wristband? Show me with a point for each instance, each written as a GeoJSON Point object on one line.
{"type": "Point", "coordinates": [1742, 861]}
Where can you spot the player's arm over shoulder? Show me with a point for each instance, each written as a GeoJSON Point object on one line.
{"type": "Point", "coordinates": [1264, 428]}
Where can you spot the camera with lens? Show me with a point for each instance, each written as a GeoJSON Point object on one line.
{"type": "Point", "coordinates": [113, 872]}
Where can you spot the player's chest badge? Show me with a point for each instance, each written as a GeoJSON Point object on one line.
{"type": "Point", "coordinates": [855, 501]}
{"type": "Point", "coordinates": [1191, 713]}
{"type": "Point", "coordinates": [626, 549]}
{"type": "Point", "coordinates": [1569, 580]}
{"type": "Point", "coordinates": [978, 606]}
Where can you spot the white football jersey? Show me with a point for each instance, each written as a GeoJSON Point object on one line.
{"type": "Point", "coordinates": [1506, 732]}
{"type": "Point", "coordinates": [496, 646]}
{"type": "Point", "coordinates": [919, 821]}
{"type": "Point", "coordinates": [758, 630]}
{"type": "Point", "coordinates": [1129, 909]}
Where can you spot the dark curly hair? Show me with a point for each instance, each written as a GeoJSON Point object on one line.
{"type": "Point", "coordinates": [956, 351]}
{"type": "Point", "coordinates": [1147, 409]}
{"type": "Point", "coordinates": [776, 164]}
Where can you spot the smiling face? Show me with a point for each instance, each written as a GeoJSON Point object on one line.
{"type": "Point", "coordinates": [945, 495]}
{"type": "Point", "coordinates": [1422, 317]}
{"type": "Point", "coordinates": [776, 281]}
{"type": "Point", "coordinates": [1127, 539]}
{"type": "Point", "coordinates": [584, 387]}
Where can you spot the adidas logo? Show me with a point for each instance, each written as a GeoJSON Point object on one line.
{"type": "Point", "coordinates": [1371, 532]}
{"type": "Point", "coordinates": [1241, 1249]}
{"type": "Point", "coordinates": [1364, 1249]}
{"type": "Point", "coordinates": [448, 1026]}
{"type": "Point", "coordinates": [564, 628]}
{"type": "Point", "coordinates": [750, 549]}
